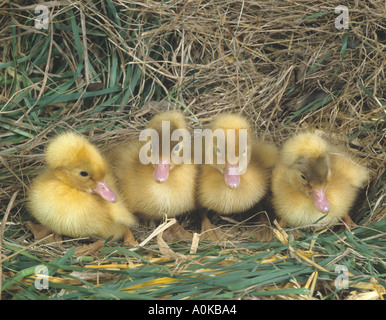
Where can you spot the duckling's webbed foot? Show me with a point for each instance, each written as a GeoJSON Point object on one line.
{"type": "Point", "coordinates": [261, 233]}
{"type": "Point", "coordinates": [208, 230]}
{"type": "Point", "coordinates": [177, 232]}
{"type": "Point", "coordinates": [40, 231]}
{"type": "Point", "coordinates": [349, 224]}
{"type": "Point", "coordinates": [129, 239]}
{"type": "Point", "coordinates": [89, 249]}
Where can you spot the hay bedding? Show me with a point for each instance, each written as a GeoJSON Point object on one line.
{"type": "Point", "coordinates": [269, 60]}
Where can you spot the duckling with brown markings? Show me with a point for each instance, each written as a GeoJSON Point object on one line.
{"type": "Point", "coordinates": [315, 180]}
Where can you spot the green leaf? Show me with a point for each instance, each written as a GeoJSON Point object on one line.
{"type": "Point", "coordinates": [316, 15]}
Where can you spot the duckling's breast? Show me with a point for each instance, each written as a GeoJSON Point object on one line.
{"type": "Point", "coordinates": [173, 197]}
{"type": "Point", "coordinates": [68, 211]}
{"type": "Point", "coordinates": [215, 195]}
{"type": "Point", "coordinates": [298, 209]}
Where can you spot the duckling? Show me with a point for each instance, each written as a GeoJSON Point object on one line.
{"type": "Point", "coordinates": [159, 185]}
{"type": "Point", "coordinates": [75, 195]}
{"type": "Point", "coordinates": [239, 176]}
{"type": "Point", "coordinates": [314, 179]}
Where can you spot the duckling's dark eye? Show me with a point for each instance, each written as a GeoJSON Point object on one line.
{"type": "Point", "coordinates": [84, 174]}
{"type": "Point", "coordinates": [303, 177]}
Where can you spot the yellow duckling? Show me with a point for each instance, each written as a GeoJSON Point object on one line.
{"type": "Point", "coordinates": [161, 186]}
{"type": "Point", "coordinates": [74, 196]}
{"type": "Point", "coordinates": [234, 185]}
{"type": "Point", "coordinates": [314, 179]}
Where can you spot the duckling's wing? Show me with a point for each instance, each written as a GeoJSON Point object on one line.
{"type": "Point", "coordinates": [356, 174]}
{"type": "Point", "coordinates": [266, 153]}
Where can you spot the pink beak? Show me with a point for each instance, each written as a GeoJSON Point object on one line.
{"type": "Point", "coordinates": [232, 176]}
{"type": "Point", "coordinates": [320, 200]}
{"type": "Point", "coordinates": [105, 192]}
{"type": "Point", "coordinates": [161, 171]}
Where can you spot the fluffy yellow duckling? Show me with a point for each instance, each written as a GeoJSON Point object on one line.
{"type": "Point", "coordinates": [73, 196]}
{"type": "Point", "coordinates": [314, 179]}
{"type": "Point", "coordinates": [241, 181]}
{"type": "Point", "coordinates": [159, 186]}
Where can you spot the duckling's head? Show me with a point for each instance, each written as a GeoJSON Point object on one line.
{"type": "Point", "coordinates": [232, 147]}
{"type": "Point", "coordinates": [79, 164]}
{"type": "Point", "coordinates": [306, 158]}
{"type": "Point", "coordinates": [169, 126]}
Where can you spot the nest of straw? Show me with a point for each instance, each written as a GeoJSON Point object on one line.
{"type": "Point", "coordinates": [104, 68]}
